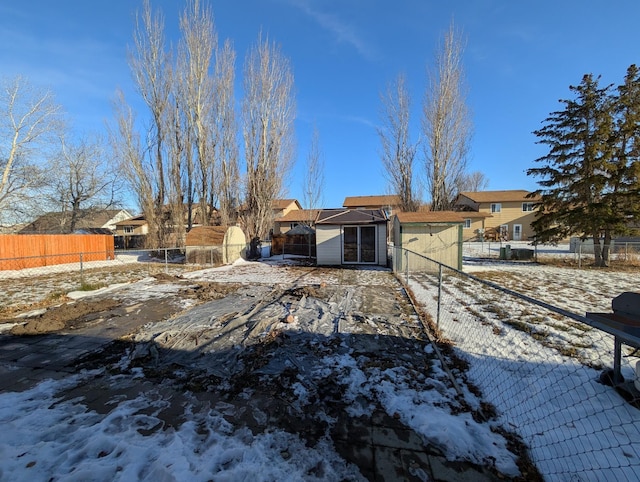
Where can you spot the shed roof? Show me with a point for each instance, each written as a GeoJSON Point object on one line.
{"type": "Point", "coordinates": [351, 216]}
{"type": "Point", "coordinates": [431, 217]}
{"type": "Point", "coordinates": [499, 196]}
{"type": "Point", "coordinates": [206, 236]}
{"type": "Point", "coordinates": [364, 201]}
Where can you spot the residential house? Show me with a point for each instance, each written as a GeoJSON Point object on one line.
{"type": "Point", "coordinates": [351, 236]}
{"type": "Point", "coordinates": [506, 215]}
{"type": "Point", "coordinates": [281, 207]}
{"type": "Point", "coordinates": [295, 218]}
{"type": "Point", "coordinates": [433, 235]}
{"type": "Point", "coordinates": [88, 221]}
{"type": "Point", "coordinates": [131, 232]}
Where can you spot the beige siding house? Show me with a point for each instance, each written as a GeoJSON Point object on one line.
{"type": "Point", "coordinates": [436, 235]}
{"type": "Point", "coordinates": [283, 206]}
{"type": "Point", "coordinates": [508, 214]}
{"type": "Point", "coordinates": [131, 233]}
{"type": "Point", "coordinates": [351, 236]}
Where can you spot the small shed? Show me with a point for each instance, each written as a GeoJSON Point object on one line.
{"type": "Point", "coordinates": [436, 235]}
{"type": "Point", "coordinates": [215, 244]}
{"type": "Point", "coordinates": [351, 237]}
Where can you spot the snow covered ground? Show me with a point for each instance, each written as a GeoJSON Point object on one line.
{"type": "Point", "coordinates": [541, 370]}
{"type": "Point", "coordinates": [577, 428]}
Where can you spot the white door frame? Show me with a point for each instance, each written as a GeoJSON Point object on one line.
{"type": "Point", "coordinates": [359, 243]}
{"type": "Point", "coordinates": [517, 232]}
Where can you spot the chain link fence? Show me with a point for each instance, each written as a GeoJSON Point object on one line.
{"type": "Point", "coordinates": [540, 366]}
{"type": "Point", "coordinates": [57, 275]}
{"type": "Point", "coordinates": [580, 253]}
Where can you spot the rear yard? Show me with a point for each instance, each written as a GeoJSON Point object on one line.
{"type": "Point", "coordinates": [263, 370]}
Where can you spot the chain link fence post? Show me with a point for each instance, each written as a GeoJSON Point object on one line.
{"type": "Point", "coordinates": [406, 262]}
{"type": "Point", "coordinates": [439, 295]}
{"type": "Point", "coordinates": [81, 271]}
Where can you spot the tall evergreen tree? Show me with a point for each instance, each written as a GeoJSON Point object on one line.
{"type": "Point", "coordinates": [575, 175]}
{"type": "Point", "coordinates": [624, 197]}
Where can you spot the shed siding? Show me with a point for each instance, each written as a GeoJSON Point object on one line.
{"type": "Point", "coordinates": [328, 245]}
{"type": "Point", "coordinates": [439, 242]}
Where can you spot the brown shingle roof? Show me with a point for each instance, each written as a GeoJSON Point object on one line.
{"type": "Point", "coordinates": [134, 221]}
{"type": "Point", "coordinates": [431, 217]}
{"type": "Point", "coordinates": [499, 196]}
{"type": "Point", "coordinates": [56, 222]}
{"type": "Point", "coordinates": [363, 201]}
{"type": "Point", "coordinates": [299, 215]}
{"type": "Point", "coordinates": [284, 203]}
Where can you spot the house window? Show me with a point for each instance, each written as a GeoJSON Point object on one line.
{"type": "Point", "coordinates": [293, 225]}
{"type": "Point", "coordinates": [467, 224]}
{"type": "Point", "coordinates": [526, 207]}
{"type": "Point", "coordinates": [128, 229]}
{"type": "Point", "coordinates": [496, 207]}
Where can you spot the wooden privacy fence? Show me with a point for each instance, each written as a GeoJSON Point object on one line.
{"type": "Point", "coordinates": [20, 251]}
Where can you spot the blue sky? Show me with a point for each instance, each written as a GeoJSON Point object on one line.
{"type": "Point", "coordinates": [520, 59]}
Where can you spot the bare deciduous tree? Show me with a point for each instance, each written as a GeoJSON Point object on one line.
{"type": "Point", "coordinates": [151, 68]}
{"type": "Point", "coordinates": [268, 110]}
{"type": "Point", "coordinates": [133, 162]}
{"type": "Point", "coordinates": [314, 176]}
{"type": "Point", "coordinates": [398, 153]}
{"type": "Point", "coordinates": [28, 119]}
{"type": "Point", "coordinates": [227, 145]}
{"type": "Point", "coordinates": [197, 96]}
{"type": "Point", "coordinates": [81, 183]}
{"type": "Point", "coordinates": [473, 181]}
{"type": "Point", "coordinates": [446, 123]}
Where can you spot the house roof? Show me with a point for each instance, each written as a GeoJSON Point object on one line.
{"type": "Point", "coordinates": [134, 221]}
{"type": "Point", "coordinates": [284, 203]}
{"type": "Point", "coordinates": [499, 196]}
{"type": "Point", "coordinates": [57, 222]}
{"type": "Point", "coordinates": [431, 217]}
{"type": "Point", "coordinates": [206, 236]}
{"type": "Point", "coordinates": [351, 216]}
{"type": "Point", "coordinates": [299, 215]}
{"type": "Point", "coordinates": [364, 201]}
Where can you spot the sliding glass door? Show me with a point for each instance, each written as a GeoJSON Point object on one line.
{"type": "Point", "coordinates": [359, 244]}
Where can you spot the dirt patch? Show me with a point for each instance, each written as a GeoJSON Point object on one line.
{"type": "Point", "coordinates": [167, 278]}
{"type": "Point", "coordinates": [207, 291]}
{"type": "Point", "coordinates": [64, 316]}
